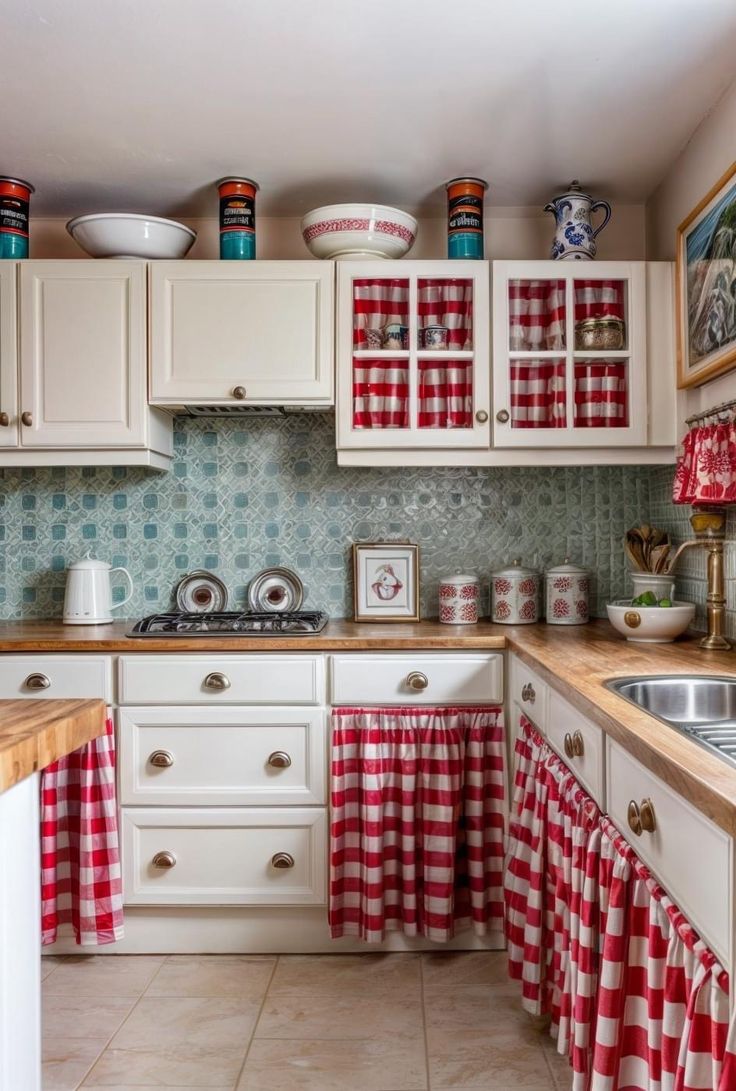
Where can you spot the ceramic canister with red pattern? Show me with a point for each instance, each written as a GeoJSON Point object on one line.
{"type": "Point", "coordinates": [568, 591]}
{"type": "Point", "coordinates": [459, 600]}
{"type": "Point", "coordinates": [515, 595]}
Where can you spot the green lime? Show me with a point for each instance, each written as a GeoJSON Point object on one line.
{"type": "Point", "coordinates": [648, 599]}
{"type": "Point", "coordinates": [665, 602]}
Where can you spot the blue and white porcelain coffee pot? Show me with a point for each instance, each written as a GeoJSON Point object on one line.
{"type": "Point", "coordinates": [575, 236]}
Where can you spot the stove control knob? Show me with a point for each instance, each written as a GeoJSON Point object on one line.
{"type": "Point", "coordinates": [217, 681]}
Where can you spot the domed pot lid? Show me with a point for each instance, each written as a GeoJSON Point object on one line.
{"type": "Point", "coordinates": [516, 570]}
{"type": "Point", "coordinates": [567, 569]}
{"type": "Point", "coordinates": [458, 581]}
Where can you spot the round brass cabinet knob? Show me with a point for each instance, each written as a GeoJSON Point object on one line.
{"type": "Point", "coordinates": [578, 745]}
{"type": "Point", "coordinates": [528, 693]}
{"type": "Point", "coordinates": [4, 420]}
{"type": "Point", "coordinates": [417, 681]}
{"type": "Point", "coordinates": [37, 681]}
{"type": "Point", "coordinates": [633, 817]}
{"type": "Point", "coordinates": [503, 416]}
{"type": "Point", "coordinates": [647, 815]}
{"type": "Point", "coordinates": [239, 392]}
{"type": "Point", "coordinates": [217, 680]}
{"type": "Point", "coordinates": [279, 760]}
{"type": "Point", "coordinates": [164, 860]}
{"type": "Point", "coordinates": [282, 860]}
{"type": "Point", "coordinates": [27, 418]}
{"type": "Point", "coordinates": [162, 759]}
{"type": "Point", "coordinates": [481, 416]}
{"type": "Point", "coordinates": [567, 743]}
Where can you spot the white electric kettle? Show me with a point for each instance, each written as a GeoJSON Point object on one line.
{"type": "Point", "coordinates": [88, 597]}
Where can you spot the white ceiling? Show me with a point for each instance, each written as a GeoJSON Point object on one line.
{"type": "Point", "coordinates": [141, 104]}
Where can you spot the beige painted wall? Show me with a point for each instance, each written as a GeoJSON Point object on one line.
{"type": "Point", "coordinates": [708, 154]}
{"type": "Point", "coordinates": [510, 233]}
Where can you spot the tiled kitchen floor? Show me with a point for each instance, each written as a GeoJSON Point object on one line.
{"type": "Point", "coordinates": [294, 1023]}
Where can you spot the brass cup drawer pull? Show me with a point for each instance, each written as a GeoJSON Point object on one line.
{"type": "Point", "coordinates": [282, 860]}
{"type": "Point", "coordinates": [162, 759]}
{"type": "Point", "coordinates": [567, 744]}
{"type": "Point", "coordinates": [578, 745]}
{"type": "Point", "coordinates": [416, 680]}
{"type": "Point", "coordinates": [37, 681]}
{"type": "Point", "coordinates": [528, 693]}
{"type": "Point", "coordinates": [217, 681]}
{"type": "Point", "coordinates": [164, 860]}
{"type": "Point", "coordinates": [633, 817]}
{"type": "Point", "coordinates": [279, 760]}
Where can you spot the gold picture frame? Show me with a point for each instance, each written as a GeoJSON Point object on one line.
{"type": "Point", "coordinates": [385, 581]}
{"type": "Point", "coordinates": [706, 286]}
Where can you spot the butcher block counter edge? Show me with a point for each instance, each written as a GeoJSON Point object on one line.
{"type": "Point", "coordinates": [33, 734]}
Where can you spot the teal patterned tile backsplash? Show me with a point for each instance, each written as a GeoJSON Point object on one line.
{"type": "Point", "coordinates": [243, 495]}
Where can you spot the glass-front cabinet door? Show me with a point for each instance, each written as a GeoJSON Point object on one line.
{"type": "Point", "coordinates": [569, 360]}
{"type": "Point", "coordinates": [413, 355]}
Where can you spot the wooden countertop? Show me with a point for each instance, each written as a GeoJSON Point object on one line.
{"type": "Point", "coordinates": [33, 734]}
{"type": "Point", "coordinates": [576, 660]}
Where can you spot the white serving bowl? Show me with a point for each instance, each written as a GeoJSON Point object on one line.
{"type": "Point", "coordinates": [128, 235]}
{"type": "Point", "coordinates": [650, 624]}
{"type": "Point", "coordinates": [358, 231]}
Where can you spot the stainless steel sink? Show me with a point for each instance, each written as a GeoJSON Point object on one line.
{"type": "Point", "coordinates": [702, 707]}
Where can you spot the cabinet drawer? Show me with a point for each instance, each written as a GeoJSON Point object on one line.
{"type": "Point", "coordinates": [66, 675]}
{"type": "Point", "coordinates": [529, 692]}
{"type": "Point", "coordinates": [588, 741]}
{"type": "Point", "coordinates": [455, 679]}
{"type": "Point", "coordinates": [690, 855]}
{"type": "Point", "coordinates": [246, 679]}
{"type": "Point", "coordinates": [224, 856]}
{"type": "Point", "coordinates": [222, 756]}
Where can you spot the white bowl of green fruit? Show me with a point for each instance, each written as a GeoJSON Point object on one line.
{"type": "Point", "coordinates": [649, 620]}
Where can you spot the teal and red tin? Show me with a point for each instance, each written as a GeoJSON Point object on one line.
{"type": "Point", "coordinates": [237, 218]}
{"type": "Point", "coordinates": [15, 197]}
{"type": "Point", "coordinates": [465, 217]}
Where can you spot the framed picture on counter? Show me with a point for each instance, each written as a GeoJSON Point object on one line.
{"type": "Point", "coordinates": [706, 286]}
{"type": "Point", "coordinates": [386, 581]}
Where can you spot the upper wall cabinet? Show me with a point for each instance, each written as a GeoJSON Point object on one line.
{"type": "Point", "coordinates": [413, 355]}
{"type": "Point", "coordinates": [73, 381]}
{"type": "Point", "coordinates": [227, 332]}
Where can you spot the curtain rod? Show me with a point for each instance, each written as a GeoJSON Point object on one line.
{"type": "Point", "coordinates": [712, 412]}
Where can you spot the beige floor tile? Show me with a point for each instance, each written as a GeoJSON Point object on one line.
{"type": "Point", "coordinates": [49, 964]}
{"type": "Point", "coordinates": [214, 975]}
{"type": "Point", "coordinates": [83, 1016]}
{"type": "Point", "coordinates": [65, 1062]}
{"type": "Point", "coordinates": [317, 1014]}
{"type": "Point", "coordinates": [490, 1060]}
{"type": "Point", "coordinates": [190, 1067]}
{"type": "Point", "coordinates": [208, 1022]}
{"type": "Point", "coordinates": [361, 972]}
{"type": "Point", "coordinates": [335, 1066]}
{"type": "Point", "coordinates": [146, 1086]}
{"type": "Point", "coordinates": [456, 969]}
{"type": "Point", "coordinates": [481, 1007]}
{"type": "Point", "coordinates": [103, 975]}
{"type": "Point", "coordinates": [559, 1068]}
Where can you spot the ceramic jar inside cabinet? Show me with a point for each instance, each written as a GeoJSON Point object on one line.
{"type": "Point", "coordinates": [567, 595]}
{"type": "Point", "coordinates": [515, 595]}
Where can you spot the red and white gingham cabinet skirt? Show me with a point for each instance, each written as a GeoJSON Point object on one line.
{"type": "Point", "coordinates": [80, 860]}
{"type": "Point", "coordinates": [417, 823]}
{"type": "Point", "coordinates": [662, 1019]}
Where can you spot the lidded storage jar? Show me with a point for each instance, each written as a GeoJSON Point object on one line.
{"type": "Point", "coordinates": [567, 594]}
{"type": "Point", "coordinates": [459, 600]}
{"type": "Point", "coordinates": [515, 595]}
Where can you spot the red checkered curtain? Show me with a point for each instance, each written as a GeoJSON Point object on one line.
{"type": "Point", "coordinates": [449, 303]}
{"type": "Point", "coordinates": [601, 395]}
{"type": "Point", "coordinates": [445, 394]}
{"type": "Point", "coordinates": [538, 394]}
{"type": "Point", "coordinates": [536, 315]}
{"type": "Point", "coordinates": [417, 823]}
{"type": "Point", "coordinates": [80, 860]}
{"type": "Point", "coordinates": [599, 298]}
{"type": "Point", "coordinates": [380, 394]}
{"type": "Point", "coordinates": [378, 303]}
{"type": "Point", "coordinates": [662, 1009]}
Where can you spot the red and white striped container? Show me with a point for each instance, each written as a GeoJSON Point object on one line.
{"type": "Point", "coordinates": [459, 600]}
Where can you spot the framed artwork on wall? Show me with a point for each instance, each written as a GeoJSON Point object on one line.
{"type": "Point", "coordinates": [386, 581]}
{"type": "Point", "coordinates": [706, 286]}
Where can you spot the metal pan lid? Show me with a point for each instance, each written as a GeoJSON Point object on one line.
{"type": "Point", "coordinates": [201, 592]}
{"type": "Point", "coordinates": [275, 589]}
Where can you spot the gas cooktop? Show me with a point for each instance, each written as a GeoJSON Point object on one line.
{"type": "Point", "coordinates": [232, 623]}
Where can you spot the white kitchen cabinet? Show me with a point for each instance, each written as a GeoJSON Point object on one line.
{"type": "Point", "coordinates": [413, 356]}
{"type": "Point", "coordinates": [418, 678]}
{"type": "Point", "coordinates": [242, 333]}
{"type": "Point", "coordinates": [8, 357]}
{"type": "Point", "coordinates": [528, 692]}
{"type": "Point", "coordinates": [551, 392]}
{"type": "Point", "coordinates": [580, 744]}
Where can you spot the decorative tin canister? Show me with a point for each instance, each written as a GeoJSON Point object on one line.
{"type": "Point", "coordinates": [459, 600]}
{"type": "Point", "coordinates": [567, 593]}
{"type": "Point", "coordinates": [237, 218]}
{"type": "Point", "coordinates": [465, 217]}
{"type": "Point", "coordinates": [515, 595]}
{"type": "Point", "coordinates": [15, 196]}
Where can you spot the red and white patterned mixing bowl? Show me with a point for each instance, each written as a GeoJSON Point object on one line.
{"type": "Point", "coordinates": [358, 231]}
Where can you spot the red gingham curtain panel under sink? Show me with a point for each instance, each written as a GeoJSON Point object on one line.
{"type": "Point", "coordinates": [706, 469]}
{"type": "Point", "coordinates": [80, 861]}
{"type": "Point", "coordinates": [417, 823]}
